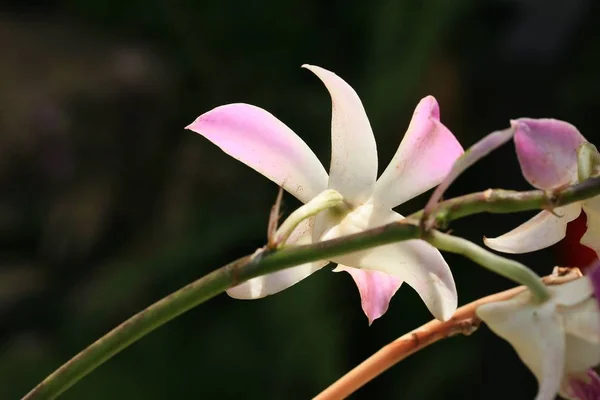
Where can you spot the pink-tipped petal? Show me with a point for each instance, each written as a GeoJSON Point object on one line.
{"type": "Point", "coordinates": [376, 290]}
{"type": "Point", "coordinates": [353, 151]}
{"type": "Point", "coordinates": [269, 284]}
{"type": "Point", "coordinates": [259, 140]}
{"type": "Point", "coordinates": [415, 262]}
{"type": "Point", "coordinates": [547, 151]}
{"type": "Point", "coordinates": [424, 158]}
{"type": "Point", "coordinates": [543, 230]}
{"type": "Point", "coordinates": [591, 237]}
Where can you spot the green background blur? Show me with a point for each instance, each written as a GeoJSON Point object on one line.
{"type": "Point", "coordinates": [107, 204]}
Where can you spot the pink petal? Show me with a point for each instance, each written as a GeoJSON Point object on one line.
{"type": "Point", "coordinates": [594, 276]}
{"type": "Point", "coordinates": [585, 388]}
{"type": "Point", "coordinates": [269, 284]}
{"type": "Point", "coordinates": [415, 262]}
{"type": "Point", "coordinates": [259, 140]}
{"type": "Point", "coordinates": [353, 151]}
{"type": "Point", "coordinates": [547, 151]}
{"type": "Point", "coordinates": [425, 156]}
{"type": "Point", "coordinates": [543, 230]}
{"type": "Point", "coordinates": [376, 289]}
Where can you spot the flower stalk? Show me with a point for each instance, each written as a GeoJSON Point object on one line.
{"type": "Point", "coordinates": [464, 321]}
{"type": "Point", "coordinates": [325, 200]}
{"type": "Point", "coordinates": [264, 261]}
{"type": "Point", "coordinates": [506, 267]}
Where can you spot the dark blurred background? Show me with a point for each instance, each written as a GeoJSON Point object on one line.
{"type": "Point", "coordinates": [107, 204]}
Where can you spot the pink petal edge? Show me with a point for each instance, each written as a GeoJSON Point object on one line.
{"type": "Point", "coordinates": [547, 151]}
{"type": "Point", "coordinates": [376, 289]}
{"type": "Point", "coordinates": [261, 141]}
{"type": "Point", "coordinates": [423, 159]}
{"type": "Point", "coordinates": [587, 388]}
{"type": "Point", "coordinates": [594, 276]}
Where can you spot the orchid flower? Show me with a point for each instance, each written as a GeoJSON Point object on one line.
{"type": "Point", "coordinates": [547, 153]}
{"type": "Point", "coordinates": [426, 154]}
{"type": "Point", "coordinates": [558, 340]}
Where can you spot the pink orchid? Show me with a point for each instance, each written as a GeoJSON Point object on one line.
{"type": "Point", "coordinates": [426, 154]}
{"type": "Point", "coordinates": [558, 340]}
{"type": "Point", "coordinates": [547, 153]}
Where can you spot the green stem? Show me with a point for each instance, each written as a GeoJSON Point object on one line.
{"type": "Point", "coordinates": [184, 299]}
{"type": "Point", "coordinates": [473, 154]}
{"type": "Point", "coordinates": [506, 267]}
{"type": "Point", "coordinates": [507, 201]}
{"type": "Point", "coordinates": [263, 262]}
{"type": "Point", "coordinates": [326, 199]}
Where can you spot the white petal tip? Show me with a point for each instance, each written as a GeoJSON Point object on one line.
{"type": "Point", "coordinates": [241, 296]}
{"type": "Point", "coordinates": [497, 245]}
{"type": "Point", "coordinates": [447, 312]}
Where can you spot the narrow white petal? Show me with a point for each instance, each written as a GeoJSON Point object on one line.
{"type": "Point", "coordinates": [353, 151]}
{"type": "Point", "coordinates": [536, 334]}
{"type": "Point", "coordinates": [543, 230]}
{"type": "Point", "coordinates": [266, 285]}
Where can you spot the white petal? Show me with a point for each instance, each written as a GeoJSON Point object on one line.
{"type": "Point", "coordinates": [536, 334]}
{"type": "Point", "coordinates": [426, 155]}
{"type": "Point", "coordinates": [573, 292]}
{"type": "Point", "coordinates": [583, 321]}
{"type": "Point", "coordinates": [276, 282]}
{"type": "Point", "coordinates": [414, 261]}
{"type": "Point", "coordinates": [261, 141]}
{"type": "Point", "coordinates": [541, 231]}
{"type": "Point", "coordinates": [353, 151]}
{"type": "Point", "coordinates": [581, 355]}
{"type": "Point", "coordinates": [591, 238]}
{"type": "Point", "coordinates": [588, 386]}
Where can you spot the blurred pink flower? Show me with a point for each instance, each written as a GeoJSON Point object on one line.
{"type": "Point", "coordinates": [547, 152]}
{"type": "Point", "coordinates": [586, 388]}
{"type": "Point", "coordinates": [426, 154]}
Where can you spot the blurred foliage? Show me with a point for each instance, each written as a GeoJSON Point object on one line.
{"type": "Point", "coordinates": [107, 204]}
